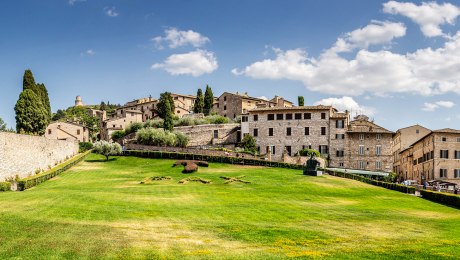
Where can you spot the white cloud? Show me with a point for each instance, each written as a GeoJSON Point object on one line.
{"type": "Point", "coordinates": [429, 16]}
{"type": "Point", "coordinates": [89, 52]}
{"type": "Point", "coordinates": [194, 63]}
{"type": "Point", "coordinates": [373, 34]}
{"type": "Point", "coordinates": [175, 38]}
{"type": "Point", "coordinates": [72, 2]}
{"type": "Point", "coordinates": [438, 104]}
{"type": "Point", "coordinates": [346, 103]}
{"type": "Point", "coordinates": [426, 71]}
{"type": "Point", "coordinates": [111, 11]}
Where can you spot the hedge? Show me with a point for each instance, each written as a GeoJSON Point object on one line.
{"type": "Point", "coordinates": [210, 158]}
{"type": "Point", "coordinates": [32, 181]}
{"type": "Point", "coordinates": [5, 186]}
{"type": "Point", "coordinates": [443, 198]}
{"type": "Point", "coordinates": [387, 185]}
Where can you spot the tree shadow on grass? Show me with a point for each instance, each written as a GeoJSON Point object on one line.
{"type": "Point", "coordinates": [101, 160]}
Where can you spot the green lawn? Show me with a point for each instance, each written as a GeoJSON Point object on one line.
{"type": "Point", "coordinates": [100, 210]}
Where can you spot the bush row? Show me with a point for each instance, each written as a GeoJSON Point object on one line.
{"type": "Point", "coordinates": [32, 181]}
{"type": "Point", "coordinates": [387, 185]}
{"type": "Point", "coordinates": [443, 198]}
{"type": "Point", "coordinates": [210, 158]}
{"type": "Point", "coordinates": [160, 137]}
{"type": "Point", "coordinates": [5, 186]}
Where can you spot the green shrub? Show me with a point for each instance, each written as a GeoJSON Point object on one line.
{"type": "Point", "coordinates": [249, 144]}
{"type": "Point", "coordinates": [181, 139]}
{"type": "Point", "coordinates": [134, 127]}
{"type": "Point", "coordinates": [309, 152]}
{"type": "Point", "coordinates": [159, 137]}
{"type": "Point", "coordinates": [5, 186]}
{"type": "Point", "coordinates": [217, 119]}
{"type": "Point", "coordinates": [84, 146]}
{"type": "Point", "coordinates": [156, 123]}
{"type": "Point", "coordinates": [107, 149]}
{"type": "Point", "coordinates": [117, 135]}
{"type": "Point", "coordinates": [443, 198]}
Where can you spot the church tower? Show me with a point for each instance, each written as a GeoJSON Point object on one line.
{"type": "Point", "coordinates": [78, 101]}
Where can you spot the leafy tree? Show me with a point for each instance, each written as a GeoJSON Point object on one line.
{"type": "Point", "coordinates": [161, 106]}
{"type": "Point", "coordinates": [117, 135]}
{"type": "Point", "coordinates": [60, 114]}
{"type": "Point", "coordinates": [168, 123]}
{"type": "Point", "coordinates": [249, 143]}
{"type": "Point", "coordinates": [208, 100]}
{"type": "Point", "coordinates": [107, 149]}
{"type": "Point", "coordinates": [3, 126]}
{"type": "Point", "coordinates": [309, 152]}
{"type": "Point", "coordinates": [199, 102]}
{"type": "Point", "coordinates": [102, 106]}
{"type": "Point", "coordinates": [31, 116]}
{"type": "Point", "coordinates": [301, 101]}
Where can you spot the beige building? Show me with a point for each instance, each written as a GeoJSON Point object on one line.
{"type": "Point", "coordinates": [402, 139]}
{"type": "Point", "coordinates": [78, 101]}
{"type": "Point", "coordinates": [67, 131]}
{"type": "Point", "coordinates": [369, 146]}
{"type": "Point", "coordinates": [101, 114]}
{"type": "Point", "coordinates": [232, 105]}
{"type": "Point", "coordinates": [183, 103]}
{"type": "Point", "coordinates": [145, 105]}
{"type": "Point", "coordinates": [436, 156]}
{"type": "Point", "coordinates": [290, 129]}
{"type": "Point", "coordinates": [119, 123]}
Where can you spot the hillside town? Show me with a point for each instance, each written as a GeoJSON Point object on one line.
{"type": "Point", "coordinates": [281, 129]}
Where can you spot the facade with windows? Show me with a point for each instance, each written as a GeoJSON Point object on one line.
{"type": "Point", "coordinates": [436, 156]}
{"type": "Point", "coordinates": [287, 130]}
{"type": "Point", "coordinates": [67, 131]}
{"type": "Point", "coordinates": [369, 146]}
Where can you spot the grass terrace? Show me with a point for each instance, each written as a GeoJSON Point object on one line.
{"type": "Point", "coordinates": [101, 210]}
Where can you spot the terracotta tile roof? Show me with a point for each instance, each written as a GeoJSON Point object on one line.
{"type": "Point", "coordinates": [363, 126]}
{"type": "Point", "coordinates": [447, 130]}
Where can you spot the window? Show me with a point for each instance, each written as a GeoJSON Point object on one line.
{"type": "Point", "coordinates": [225, 98]}
{"type": "Point", "coordinates": [458, 139]}
{"type": "Point", "coordinates": [298, 116]}
{"type": "Point", "coordinates": [279, 116]}
{"type": "Point", "coordinates": [323, 115]}
{"type": "Point", "coordinates": [225, 107]}
{"type": "Point", "coordinates": [323, 149]}
{"type": "Point", "coordinates": [339, 123]}
{"type": "Point", "coordinates": [378, 150]}
{"type": "Point", "coordinates": [417, 131]}
{"type": "Point", "coordinates": [78, 131]}
{"type": "Point", "coordinates": [457, 154]}
{"type": "Point", "coordinates": [288, 116]}
{"type": "Point", "coordinates": [361, 150]}
{"type": "Point", "coordinates": [256, 132]}
{"type": "Point", "coordinates": [271, 149]}
{"type": "Point", "coordinates": [378, 165]}
{"type": "Point", "coordinates": [255, 118]}
{"type": "Point", "coordinates": [361, 136]}
{"type": "Point", "coordinates": [339, 136]}
{"type": "Point", "coordinates": [323, 130]}
{"type": "Point", "coordinates": [444, 139]}
{"type": "Point", "coordinates": [378, 136]}
{"type": "Point", "coordinates": [288, 149]}
{"type": "Point", "coordinates": [340, 153]}
{"type": "Point", "coordinates": [49, 131]}
{"type": "Point", "coordinates": [271, 117]}
{"type": "Point", "coordinates": [444, 154]}
{"type": "Point", "coordinates": [442, 173]}
{"type": "Point", "coordinates": [270, 131]}
{"type": "Point", "coordinates": [361, 164]}
{"type": "Point", "coordinates": [216, 133]}
{"type": "Point", "coordinates": [307, 130]}
{"type": "Point", "coordinates": [306, 147]}
{"type": "Point", "coordinates": [306, 115]}
{"type": "Point", "coordinates": [288, 131]}
{"type": "Point", "coordinates": [457, 173]}
{"type": "Point", "coordinates": [244, 119]}
{"type": "Point", "coordinates": [340, 164]}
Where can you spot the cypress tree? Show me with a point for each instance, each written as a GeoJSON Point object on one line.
{"type": "Point", "coordinates": [168, 123]}
{"type": "Point", "coordinates": [208, 100]}
{"type": "Point", "coordinates": [161, 106]}
{"type": "Point", "coordinates": [31, 117]}
{"type": "Point", "coordinates": [199, 102]}
{"type": "Point", "coordinates": [300, 101]}
{"type": "Point", "coordinates": [102, 106]}
{"type": "Point", "coordinates": [28, 81]}
{"type": "Point", "coordinates": [43, 94]}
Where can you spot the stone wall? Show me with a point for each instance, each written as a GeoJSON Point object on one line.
{"type": "Point", "coordinates": [24, 154]}
{"type": "Point", "coordinates": [204, 135]}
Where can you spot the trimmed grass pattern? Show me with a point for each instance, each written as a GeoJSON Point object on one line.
{"type": "Point", "coordinates": [100, 210]}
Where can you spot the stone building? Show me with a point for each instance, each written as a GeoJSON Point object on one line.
{"type": "Point", "coordinates": [183, 103]}
{"type": "Point", "coordinates": [119, 123]}
{"type": "Point", "coordinates": [78, 101]}
{"type": "Point", "coordinates": [100, 114]}
{"type": "Point", "coordinates": [232, 105]}
{"type": "Point", "coordinates": [369, 146]}
{"type": "Point", "coordinates": [209, 135]}
{"type": "Point", "coordinates": [436, 156]}
{"type": "Point", "coordinates": [279, 130]}
{"type": "Point", "coordinates": [402, 139]}
{"type": "Point", "coordinates": [145, 105]}
{"type": "Point", "coordinates": [67, 131]}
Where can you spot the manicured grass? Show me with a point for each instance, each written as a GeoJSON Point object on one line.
{"type": "Point", "coordinates": [100, 210]}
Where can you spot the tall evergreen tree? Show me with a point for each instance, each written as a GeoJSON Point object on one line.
{"type": "Point", "coordinates": [168, 123]}
{"type": "Point", "coordinates": [300, 101]}
{"type": "Point", "coordinates": [31, 116]}
{"type": "Point", "coordinates": [199, 102]}
{"type": "Point", "coordinates": [43, 94]}
{"type": "Point", "coordinates": [208, 100]}
{"type": "Point", "coordinates": [102, 106]}
{"type": "Point", "coordinates": [28, 81]}
{"type": "Point", "coordinates": [161, 106]}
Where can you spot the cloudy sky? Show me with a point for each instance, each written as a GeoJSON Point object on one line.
{"type": "Point", "coordinates": [398, 62]}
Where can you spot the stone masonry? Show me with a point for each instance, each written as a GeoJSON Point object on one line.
{"type": "Point", "coordinates": [24, 154]}
{"type": "Point", "coordinates": [205, 135]}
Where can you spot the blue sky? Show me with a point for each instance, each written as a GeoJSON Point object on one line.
{"type": "Point", "coordinates": [399, 62]}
